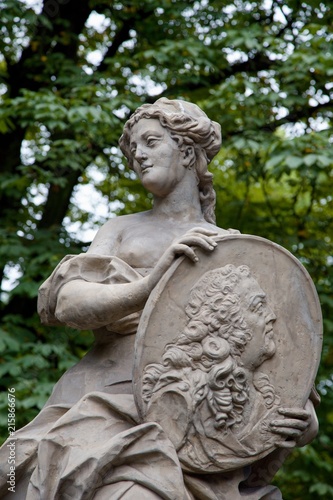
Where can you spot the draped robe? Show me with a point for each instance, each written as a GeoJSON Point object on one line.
{"type": "Point", "coordinates": [88, 442]}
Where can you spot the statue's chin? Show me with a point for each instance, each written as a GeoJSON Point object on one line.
{"type": "Point", "coordinates": [269, 351]}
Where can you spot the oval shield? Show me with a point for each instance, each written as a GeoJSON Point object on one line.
{"type": "Point", "coordinates": [222, 345]}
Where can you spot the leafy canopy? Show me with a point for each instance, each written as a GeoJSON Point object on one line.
{"type": "Point", "coordinates": [70, 75]}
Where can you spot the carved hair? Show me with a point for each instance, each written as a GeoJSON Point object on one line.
{"type": "Point", "coordinates": [222, 383]}
{"type": "Point", "coordinates": [213, 339]}
{"type": "Point", "coordinates": [214, 306]}
{"type": "Point", "coordinates": [211, 345]}
{"type": "Point", "coordinates": [262, 383]}
{"type": "Point", "coordinates": [187, 125]}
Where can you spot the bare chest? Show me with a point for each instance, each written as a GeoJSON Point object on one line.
{"type": "Point", "coordinates": [142, 245]}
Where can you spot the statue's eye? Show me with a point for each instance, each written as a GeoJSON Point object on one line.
{"type": "Point", "coordinates": [258, 304]}
{"type": "Point", "coordinates": [151, 141]}
{"type": "Point", "coordinates": [258, 307]}
{"type": "Point", "coordinates": [133, 148]}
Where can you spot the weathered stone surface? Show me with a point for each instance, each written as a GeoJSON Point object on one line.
{"type": "Point", "coordinates": [222, 346]}
{"type": "Point", "coordinates": [211, 398]}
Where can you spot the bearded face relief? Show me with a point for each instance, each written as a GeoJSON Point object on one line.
{"type": "Point", "coordinates": [227, 336]}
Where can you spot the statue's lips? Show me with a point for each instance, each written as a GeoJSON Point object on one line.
{"type": "Point", "coordinates": [269, 334]}
{"type": "Point", "coordinates": [145, 168]}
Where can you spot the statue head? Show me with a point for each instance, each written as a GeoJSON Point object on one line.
{"type": "Point", "coordinates": [188, 125]}
{"type": "Point", "coordinates": [228, 333]}
{"type": "Point", "coordinates": [229, 303]}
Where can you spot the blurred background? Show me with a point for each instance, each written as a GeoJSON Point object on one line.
{"type": "Point", "coordinates": [71, 73]}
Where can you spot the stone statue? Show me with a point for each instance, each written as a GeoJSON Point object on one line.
{"type": "Point", "coordinates": [214, 361]}
{"type": "Point", "coordinates": [208, 392]}
{"type": "Point", "coordinates": [202, 416]}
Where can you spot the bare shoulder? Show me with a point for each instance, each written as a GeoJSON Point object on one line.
{"type": "Point", "coordinates": [109, 236]}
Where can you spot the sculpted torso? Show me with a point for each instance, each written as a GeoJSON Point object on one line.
{"type": "Point", "coordinates": [90, 442]}
{"type": "Point", "coordinates": [170, 158]}
{"type": "Point", "coordinates": [148, 242]}
{"type": "Point", "coordinates": [140, 239]}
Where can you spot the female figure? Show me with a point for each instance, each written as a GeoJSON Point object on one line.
{"type": "Point", "coordinates": [168, 144]}
{"type": "Point", "coordinates": [88, 441]}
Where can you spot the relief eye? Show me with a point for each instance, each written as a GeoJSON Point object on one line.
{"type": "Point", "coordinates": [259, 307]}
{"type": "Point", "coordinates": [151, 141]}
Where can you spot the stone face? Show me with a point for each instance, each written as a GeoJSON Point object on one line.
{"type": "Point", "coordinates": [222, 346]}
{"type": "Point", "coordinates": [207, 343]}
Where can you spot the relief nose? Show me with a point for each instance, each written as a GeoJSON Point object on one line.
{"type": "Point", "coordinates": [270, 316]}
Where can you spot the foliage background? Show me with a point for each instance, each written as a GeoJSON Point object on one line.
{"type": "Point", "coordinates": [72, 72]}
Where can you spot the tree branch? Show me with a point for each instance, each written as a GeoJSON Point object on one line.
{"type": "Point", "coordinates": [122, 34]}
{"type": "Point", "coordinates": [42, 43]}
{"type": "Point", "coordinates": [120, 37]}
{"type": "Point", "coordinates": [257, 63]}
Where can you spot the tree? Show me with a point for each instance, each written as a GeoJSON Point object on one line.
{"type": "Point", "coordinates": [71, 75]}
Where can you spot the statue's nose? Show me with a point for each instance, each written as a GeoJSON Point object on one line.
{"type": "Point", "coordinates": [140, 155]}
{"type": "Point", "coordinates": [270, 316]}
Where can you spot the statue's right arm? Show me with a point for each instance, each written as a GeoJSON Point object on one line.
{"type": "Point", "coordinates": [90, 305]}
{"type": "Point", "coordinates": [87, 305]}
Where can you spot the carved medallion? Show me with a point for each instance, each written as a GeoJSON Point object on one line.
{"type": "Point", "coordinates": [222, 345]}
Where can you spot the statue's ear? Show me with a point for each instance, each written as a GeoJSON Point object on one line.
{"type": "Point", "coordinates": [188, 156]}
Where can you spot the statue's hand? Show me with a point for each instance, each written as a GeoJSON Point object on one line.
{"type": "Point", "coordinates": [197, 237]}
{"type": "Point", "coordinates": [298, 426]}
{"type": "Point", "coordinates": [185, 245]}
{"type": "Point", "coordinates": [312, 430]}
